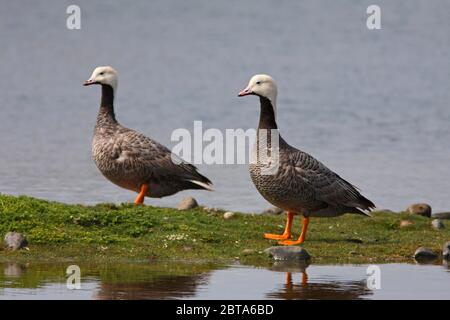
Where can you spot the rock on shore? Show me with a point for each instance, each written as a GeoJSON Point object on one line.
{"type": "Point", "coordinates": [228, 215]}
{"type": "Point", "coordinates": [15, 241]}
{"type": "Point", "coordinates": [446, 251]}
{"type": "Point", "coordinates": [187, 203]}
{"type": "Point", "coordinates": [288, 253]}
{"type": "Point", "coordinates": [421, 209]}
{"type": "Point", "coordinates": [423, 255]}
{"type": "Point", "coordinates": [405, 223]}
{"type": "Point", "coordinates": [437, 224]}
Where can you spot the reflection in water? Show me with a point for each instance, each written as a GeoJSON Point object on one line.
{"type": "Point", "coordinates": [330, 290]}
{"type": "Point", "coordinates": [209, 281]}
{"type": "Point", "coordinates": [306, 289]}
{"type": "Point", "coordinates": [14, 270]}
{"type": "Point", "coordinates": [165, 287]}
{"type": "Point", "coordinates": [290, 268]}
{"type": "Point", "coordinates": [111, 281]}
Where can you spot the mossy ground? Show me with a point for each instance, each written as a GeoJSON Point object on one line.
{"type": "Point", "coordinates": [125, 232]}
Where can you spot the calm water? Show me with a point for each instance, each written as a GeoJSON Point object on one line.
{"type": "Point", "coordinates": [169, 281]}
{"type": "Point", "coordinates": [372, 105]}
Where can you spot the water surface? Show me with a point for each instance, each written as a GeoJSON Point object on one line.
{"type": "Point", "coordinates": [372, 105]}
{"type": "Point", "coordinates": [196, 281]}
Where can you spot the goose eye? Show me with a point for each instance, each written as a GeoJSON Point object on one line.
{"type": "Point", "coordinates": [258, 82]}
{"type": "Point", "coordinates": [101, 73]}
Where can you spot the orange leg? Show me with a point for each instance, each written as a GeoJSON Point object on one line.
{"type": "Point", "coordinates": [302, 237]}
{"type": "Point", "coordinates": [287, 230]}
{"type": "Point", "coordinates": [140, 197]}
{"type": "Point", "coordinates": [289, 283]}
{"type": "Point", "coordinates": [304, 278]}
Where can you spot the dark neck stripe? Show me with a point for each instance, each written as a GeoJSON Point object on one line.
{"type": "Point", "coordinates": [107, 103]}
{"type": "Point", "coordinates": [267, 115]}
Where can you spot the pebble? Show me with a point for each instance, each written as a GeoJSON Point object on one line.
{"type": "Point", "coordinates": [210, 210]}
{"type": "Point", "coordinates": [15, 241]}
{"type": "Point", "coordinates": [187, 203]}
{"type": "Point", "coordinates": [423, 254]}
{"type": "Point", "coordinates": [288, 253]}
{"type": "Point", "coordinates": [446, 251]}
{"type": "Point", "coordinates": [405, 223]}
{"type": "Point", "coordinates": [437, 224]}
{"type": "Point", "coordinates": [421, 209]}
{"type": "Point", "coordinates": [228, 215]}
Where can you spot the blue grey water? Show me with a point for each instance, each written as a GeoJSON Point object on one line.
{"type": "Point", "coordinates": [373, 105]}
{"type": "Point", "coordinates": [393, 281]}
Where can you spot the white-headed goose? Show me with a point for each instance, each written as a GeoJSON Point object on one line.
{"type": "Point", "coordinates": [131, 160]}
{"type": "Point", "coordinates": [301, 184]}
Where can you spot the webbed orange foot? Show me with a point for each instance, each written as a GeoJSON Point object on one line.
{"type": "Point", "coordinates": [287, 230]}
{"type": "Point", "coordinates": [273, 236]}
{"type": "Point", "coordinates": [290, 242]}
{"type": "Point", "coordinates": [302, 237]}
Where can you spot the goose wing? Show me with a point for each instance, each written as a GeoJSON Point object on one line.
{"type": "Point", "coordinates": [326, 185]}
{"type": "Point", "coordinates": [154, 159]}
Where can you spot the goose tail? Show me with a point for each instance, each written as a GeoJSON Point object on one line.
{"type": "Point", "coordinates": [204, 185]}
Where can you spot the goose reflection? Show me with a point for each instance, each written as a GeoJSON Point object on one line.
{"type": "Point", "coordinates": [162, 287]}
{"type": "Point", "coordinates": [306, 288]}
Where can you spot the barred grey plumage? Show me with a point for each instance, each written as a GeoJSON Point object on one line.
{"type": "Point", "coordinates": [302, 184]}
{"type": "Point", "coordinates": [129, 159]}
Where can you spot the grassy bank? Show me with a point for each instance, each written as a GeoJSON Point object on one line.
{"type": "Point", "coordinates": [109, 232]}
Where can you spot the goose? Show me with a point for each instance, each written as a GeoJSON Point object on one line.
{"type": "Point", "coordinates": [300, 185]}
{"type": "Point", "coordinates": [131, 160]}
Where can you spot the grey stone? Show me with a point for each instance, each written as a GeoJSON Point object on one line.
{"type": "Point", "coordinates": [187, 203]}
{"type": "Point", "coordinates": [421, 209]}
{"type": "Point", "coordinates": [405, 223]}
{"type": "Point", "coordinates": [15, 241]}
{"type": "Point", "coordinates": [437, 224]}
{"type": "Point", "coordinates": [273, 211]}
{"type": "Point", "coordinates": [288, 253]}
{"type": "Point", "coordinates": [228, 215]}
{"type": "Point", "coordinates": [442, 215]}
{"type": "Point", "coordinates": [423, 254]}
{"type": "Point", "coordinates": [446, 251]}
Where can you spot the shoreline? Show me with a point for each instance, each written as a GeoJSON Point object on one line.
{"type": "Point", "coordinates": [117, 233]}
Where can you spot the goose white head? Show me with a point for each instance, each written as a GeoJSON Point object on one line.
{"type": "Point", "coordinates": [103, 75]}
{"type": "Point", "coordinates": [261, 85]}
